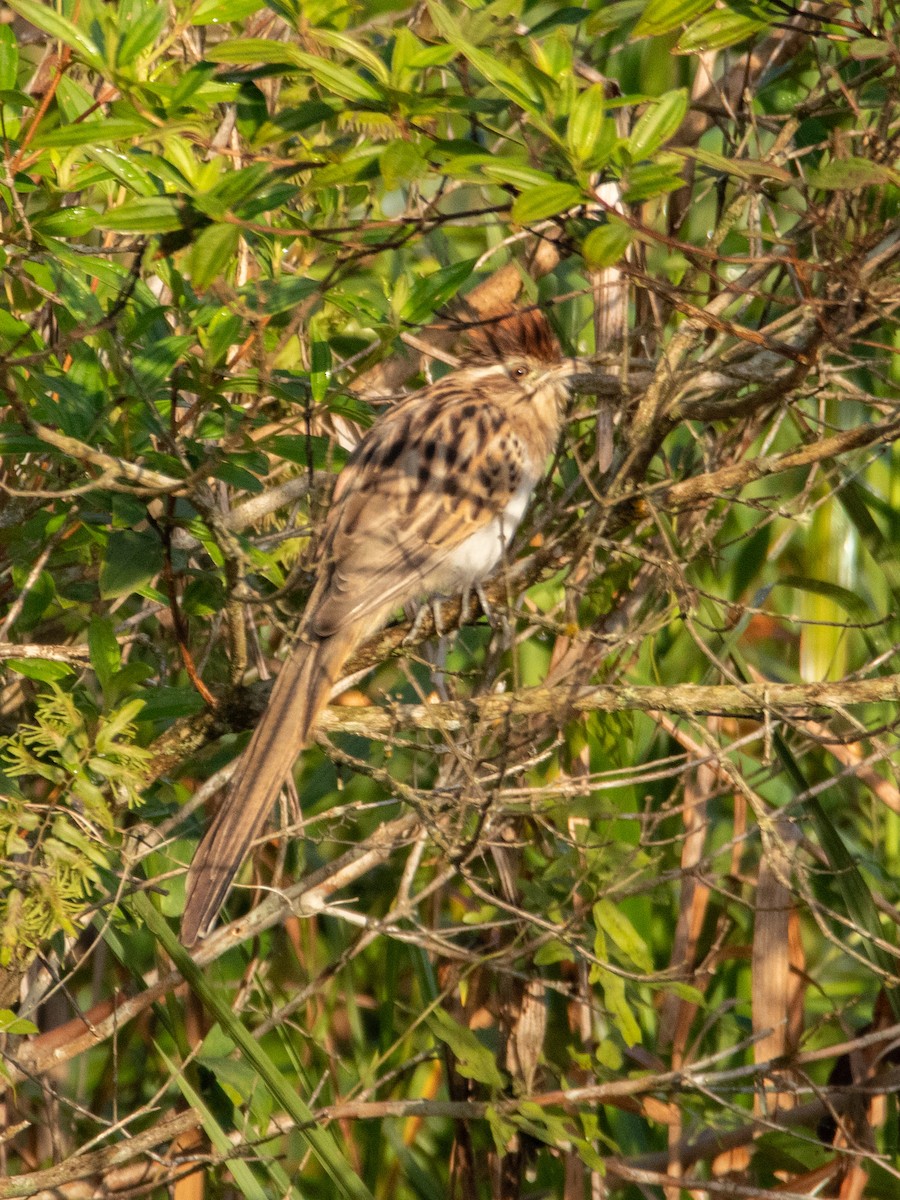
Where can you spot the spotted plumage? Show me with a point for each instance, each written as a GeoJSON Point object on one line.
{"type": "Point", "coordinates": [425, 506]}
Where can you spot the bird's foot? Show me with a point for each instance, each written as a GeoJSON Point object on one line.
{"type": "Point", "coordinates": [497, 620]}
{"type": "Point", "coordinates": [434, 607]}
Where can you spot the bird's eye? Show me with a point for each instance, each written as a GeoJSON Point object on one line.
{"type": "Point", "coordinates": [520, 372]}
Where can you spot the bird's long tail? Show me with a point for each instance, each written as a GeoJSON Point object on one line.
{"type": "Point", "coordinates": [301, 691]}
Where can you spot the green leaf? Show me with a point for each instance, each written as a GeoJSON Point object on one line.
{"type": "Point", "coordinates": [845, 174]}
{"type": "Point", "coordinates": [866, 48]}
{"type": "Point", "coordinates": [154, 362]}
{"type": "Point", "coordinates": [170, 703]}
{"type": "Point", "coordinates": [606, 244]}
{"type": "Point", "coordinates": [334, 78]}
{"type": "Point", "coordinates": [118, 723]}
{"type": "Point", "coordinates": [512, 84]}
{"type": "Point", "coordinates": [433, 291]}
{"type": "Point", "coordinates": [553, 951]}
{"type": "Point", "coordinates": [357, 163]}
{"type": "Point", "coordinates": [661, 16]}
{"type": "Point", "coordinates": [9, 59]}
{"type": "Point", "coordinates": [91, 132]}
{"type": "Point", "coordinates": [250, 50]}
{"type": "Point", "coordinates": [147, 214]}
{"type": "Point", "coordinates": [44, 670]}
{"type": "Point", "coordinates": [352, 48]}
{"type": "Point", "coordinates": [16, 98]}
{"type": "Point", "coordinates": [252, 110]}
{"type": "Point", "coordinates": [621, 931]}
{"type": "Point", "coordinates": [273, 296]}
{"type": "Point", "coordinates": [66, 222]}
{"type": "Point", "coordinates": [653, 178]}
{"type": "Point", "coordinates": [239, 477]}
{"type": "Point", "coordinates": [684, 991]}
{"type": "Point", "coordinates": [586, 122]}
{"type": "Point", "coordinates": [401, 162]}
{"type": "Point", "coordinates": [218, 12]}
{"type": "Point", "coordinates": [42, 16]}
{"type": "Point", "coordinates": [743, 168]}
{"type": "Point", "coordinates": [854, 604]}
{"type": "Point", "coordinates": [657, 124]}
{"type": "Point", "coordinates": [12, 329]}
{"type": "Point", "coordinates": [514, 171]}
{"type": "Point", "coordinates": [609, 1055]}
{"type": "Point", "coordinates": [569, 15]}
{"type": "Point", "coordinates": [106, 657]}
{"type": "Point", "coordinates": [211, 253]}
{"type": "Point", "coordinates": [431, 56]}
{"type": "Point", "coordinates": [503, 1130]}
{"type": "Point", "coordinates": [11, 1023]}
{"type": "Point", "coordinates": [719, 29]}
{"type": "Point", "coordinates": [320, 369]}
{"type": "Point", "coordinates": [614, 16]}
{"type": "Point", "coordinates": [131, 561]}
{"type": "Point", "coordinates": [617, 1006]}
{"type": "Point", "coordinates": [339, 80]}
{"type": "Point", "coordinates": [138, 35]}
{"type": "Point", "coordinates": [473, 1059]}
{"type": "Point", "coordinates": [545, 201]}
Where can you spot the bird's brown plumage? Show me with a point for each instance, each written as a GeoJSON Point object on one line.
{"type": "Point", "coordinates": [424, 507]}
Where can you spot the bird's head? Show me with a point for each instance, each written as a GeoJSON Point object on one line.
{"type": "Point", "coordinates": [520, 360]}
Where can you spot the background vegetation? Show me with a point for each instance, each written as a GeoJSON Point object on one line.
{"type": "Point", "coordinates": [615, 913]}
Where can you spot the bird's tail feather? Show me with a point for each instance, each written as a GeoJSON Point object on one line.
{"type": "Point", "coordinates": [301, 691]}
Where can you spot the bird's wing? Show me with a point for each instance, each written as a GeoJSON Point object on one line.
{"type": "Point", "coordinates": [420, 484]}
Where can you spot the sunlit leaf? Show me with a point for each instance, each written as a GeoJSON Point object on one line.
{"type": "Point", "coordinates": [473, 1058]}
{"type": "Point", "coordinates": [721, 28]}
{"type": "Point", "coordinates": [148, 214]}
{"type": "Point", "coordinates": [658, 123]}
{"type": "Point", "coordinates": [45, 17]}
{"type": "Point", "coordinates": [211, 249]}
{"type": "Point", "coordinates": [545, 201]}
{"type": "Point", "coordinates": [620, 930]}
{"type": "Point", "coordinates": [104, 648]}
{"type": "Point", "coordinates": [513, 84]}
{"type": "Point", "coordinates": [44, 670]}
{"type": "Point", "coordinates": [586, 121]}
{"type": "Point", "coordinates": [218, 12]}
{"type": "Point", "coordinates": [66, 222]}
{"type": "Point", "coordinates": [606, 244]}
{"type": "Point", "coordinates": [433, 291]}
{"type": "Point", "coordinates": [519, 174]}
{"type": "Point", "coordinates": [9, 59]}
{"type": "Point", "coordinates": [93, 132]}
{"type": "Point", "coordinates": [661, 16]}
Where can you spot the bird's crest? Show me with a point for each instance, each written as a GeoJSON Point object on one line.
{"type": "Point", "coordinates": [521, 332]}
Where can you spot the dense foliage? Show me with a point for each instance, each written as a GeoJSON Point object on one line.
{"type": "Point", "coordinates": [598, 897]}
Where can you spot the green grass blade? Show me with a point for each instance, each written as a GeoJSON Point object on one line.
{"type": "Point", "coordinates": [858, 903]}
{"type": "Point", "coordinates": [322, 1143]}
{"type": "Point", "coordinates": [240, 1170]}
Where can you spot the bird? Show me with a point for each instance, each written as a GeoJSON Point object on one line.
{"type": "Point", "coordinates": [425, 507]}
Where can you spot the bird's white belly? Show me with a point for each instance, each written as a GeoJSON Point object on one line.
{"type": "Point", "coordinates": [476, 557]}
